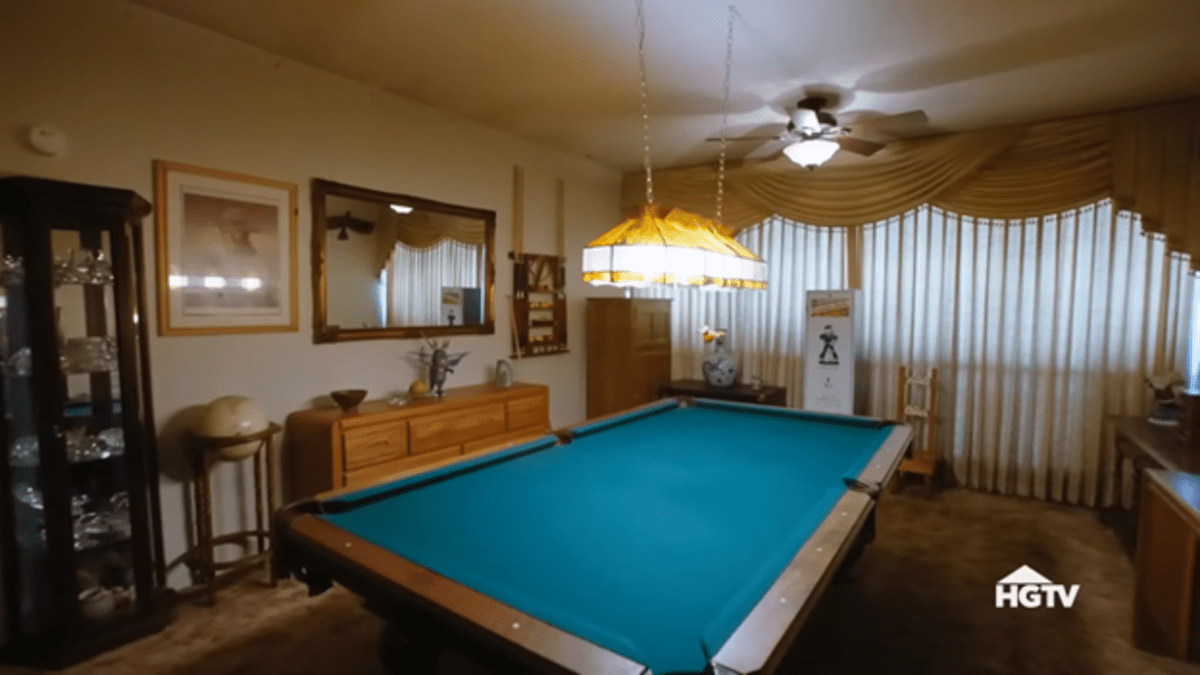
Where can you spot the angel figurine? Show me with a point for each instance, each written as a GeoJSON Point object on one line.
{"type": "Point", "coordinates": [439, 362]}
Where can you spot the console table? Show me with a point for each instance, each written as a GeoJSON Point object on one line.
{"type": "Point", "coordinates": [1146, 446]}
{"type": "Point", "coordinates": [765, 394]}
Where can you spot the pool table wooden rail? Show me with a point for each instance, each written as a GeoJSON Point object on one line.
{"type": "Point", "coordinates": [758, 645]}
{"type": "Point", "coordinates": [410, 585]}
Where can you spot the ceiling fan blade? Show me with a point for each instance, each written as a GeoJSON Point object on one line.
{"type": "Point", "coordinates": [859, 146]}
{"type": "Point", "coordinates": [898, 123]}
{"type": "Point", "coordinates": [776, 137]}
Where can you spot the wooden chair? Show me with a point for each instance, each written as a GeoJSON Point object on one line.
{"type": "Point", "coordinates": [918, 408]}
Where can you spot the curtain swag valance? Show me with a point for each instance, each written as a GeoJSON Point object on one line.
{"type": "Point", "coordinates": [423, 229]}
{"type": "Point", "coordinates": [1146, 159]}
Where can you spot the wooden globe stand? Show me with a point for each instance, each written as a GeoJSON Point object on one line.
{"type": "Point", "coordinates": [204, 449]}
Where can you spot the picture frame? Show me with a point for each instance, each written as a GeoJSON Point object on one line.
{"type": "Point", "coordinates": [226, 251]}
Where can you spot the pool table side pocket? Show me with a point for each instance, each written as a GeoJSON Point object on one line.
{"type": "Point", "coordinates": [366, 569]}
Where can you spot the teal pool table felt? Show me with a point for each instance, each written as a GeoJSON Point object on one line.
{"type": "Point", "coordinates": [652, 535]}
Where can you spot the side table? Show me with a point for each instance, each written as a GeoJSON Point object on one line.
{"type": "Point", "coordinates": [204, 449]}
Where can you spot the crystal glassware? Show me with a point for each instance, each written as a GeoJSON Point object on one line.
{"type": "Point", "coordinates": [12, 271]}
{"type": "Point", "coordinates": [24, 451]}
{"type": "Point", "coordinates": [113, 440]}
{"type": "Point", "coordinates": [28, 495]}
{"type": "Point", "coordinates": [20, 363]}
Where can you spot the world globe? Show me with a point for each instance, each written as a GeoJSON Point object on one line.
{"type": "Point", "coordinates": [231, 416]}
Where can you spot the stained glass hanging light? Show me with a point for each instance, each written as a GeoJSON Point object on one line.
{"type": "Point", "coordinates": [661, 245]}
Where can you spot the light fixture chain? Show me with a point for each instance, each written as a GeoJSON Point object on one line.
{"type": "Point", "coordinates": [641, 18]}
{"type": "Point", "coordinates": [725, 117]}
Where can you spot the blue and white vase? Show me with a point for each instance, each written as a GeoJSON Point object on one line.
{"type": "Point", "coordinates": [720, 370]}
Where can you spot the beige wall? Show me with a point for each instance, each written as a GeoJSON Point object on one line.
{"type": "Point", "coordinates": [128, 85]}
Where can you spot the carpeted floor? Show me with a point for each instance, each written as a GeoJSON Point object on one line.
{"type": "Point", "coordinates": [920, 601]}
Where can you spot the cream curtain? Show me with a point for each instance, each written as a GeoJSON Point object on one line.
{"type": "Point", "coordinates": [1039, 328]}
{"type": "Point", "coordinates": [1147, 159]}
{"type": "Point", "coordinates": [414, 277]}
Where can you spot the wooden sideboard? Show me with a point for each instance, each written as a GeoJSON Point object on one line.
{"type": "Point", "coordinates": [326, 449]}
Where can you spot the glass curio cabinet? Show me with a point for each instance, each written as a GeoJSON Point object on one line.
{"type": "Point", "coordinates": [81, 560]}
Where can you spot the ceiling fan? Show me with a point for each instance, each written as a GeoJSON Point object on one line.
{"type": "Point", "coordinates": [348, 222]}
{"type": "Point", "coordinates": [813, 134]}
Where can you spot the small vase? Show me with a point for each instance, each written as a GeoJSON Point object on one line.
{"type": "Point", "coordinates": [719, 368]}
{"type": "Point", "coordinates": [504, 374]}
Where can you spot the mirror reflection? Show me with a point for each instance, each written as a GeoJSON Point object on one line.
{"type": "Point", "coordinates": [399, 266]}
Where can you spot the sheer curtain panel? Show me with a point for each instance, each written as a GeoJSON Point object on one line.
{"type": "Point", "coordinates": [1039, 328]}
{"type": "Point", "coordinates": [414, 277]}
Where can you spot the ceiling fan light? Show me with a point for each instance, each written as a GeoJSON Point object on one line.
{"type": "Point", "coordinates": [812, 153]}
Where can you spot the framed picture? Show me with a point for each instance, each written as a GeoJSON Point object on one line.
{"type": "Point", "coordinates": [226, 247]}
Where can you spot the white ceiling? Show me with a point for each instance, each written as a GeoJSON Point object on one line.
{"type": "Point", "coordinates": [564, 72]}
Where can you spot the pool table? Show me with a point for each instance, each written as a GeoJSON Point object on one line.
{"type": "Point", "coordinates": [681, 536]}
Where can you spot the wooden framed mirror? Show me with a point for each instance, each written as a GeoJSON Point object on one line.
{"type": "Point", "coordinates": [393, 266]}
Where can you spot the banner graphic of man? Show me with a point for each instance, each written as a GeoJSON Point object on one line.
{"type": "Point", "coordinates": [828, 337]}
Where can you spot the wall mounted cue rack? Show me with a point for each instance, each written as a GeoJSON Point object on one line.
{"type": "Point", "coordinates": [539, 305]}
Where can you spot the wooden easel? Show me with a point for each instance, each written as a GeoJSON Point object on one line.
{"type": "Point", "coordinates": [921, 412]}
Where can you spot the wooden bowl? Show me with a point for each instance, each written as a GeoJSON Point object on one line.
{"type": "Point", "coordinates": [348, 399]}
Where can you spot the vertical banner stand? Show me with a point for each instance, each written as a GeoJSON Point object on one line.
{"type": "Point", "coordinates": [832, 348]}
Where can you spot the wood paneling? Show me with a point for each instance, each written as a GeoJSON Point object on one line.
{"type": "Point", "coordinates": [326, 449]}
{"type": "Point", "coordinates": [629, 352]}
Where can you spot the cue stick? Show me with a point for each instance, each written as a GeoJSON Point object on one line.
{"type": "Point", "coordinates": [512, 323]}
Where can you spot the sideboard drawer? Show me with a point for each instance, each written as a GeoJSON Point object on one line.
{"type": "Point", "coordinates": [431, 432]}
{"type": "Point", "coordinates": [376, 473]}
{"type": "Point", "coordinates": [528, 411]}
{"type": "Point", "coordinates": [508, 438]}
{"type": "Point", "coordinates": [366, 446]}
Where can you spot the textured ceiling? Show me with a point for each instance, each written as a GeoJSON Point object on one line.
{"type": "Point", "coordinates": [564, 72]}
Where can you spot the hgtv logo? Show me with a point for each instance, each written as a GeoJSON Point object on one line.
{"type": "Point", "coordinates": [1026, 588]}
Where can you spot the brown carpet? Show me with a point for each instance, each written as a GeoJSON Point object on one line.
{"type": "Point", "coordinates": [920, 601]}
